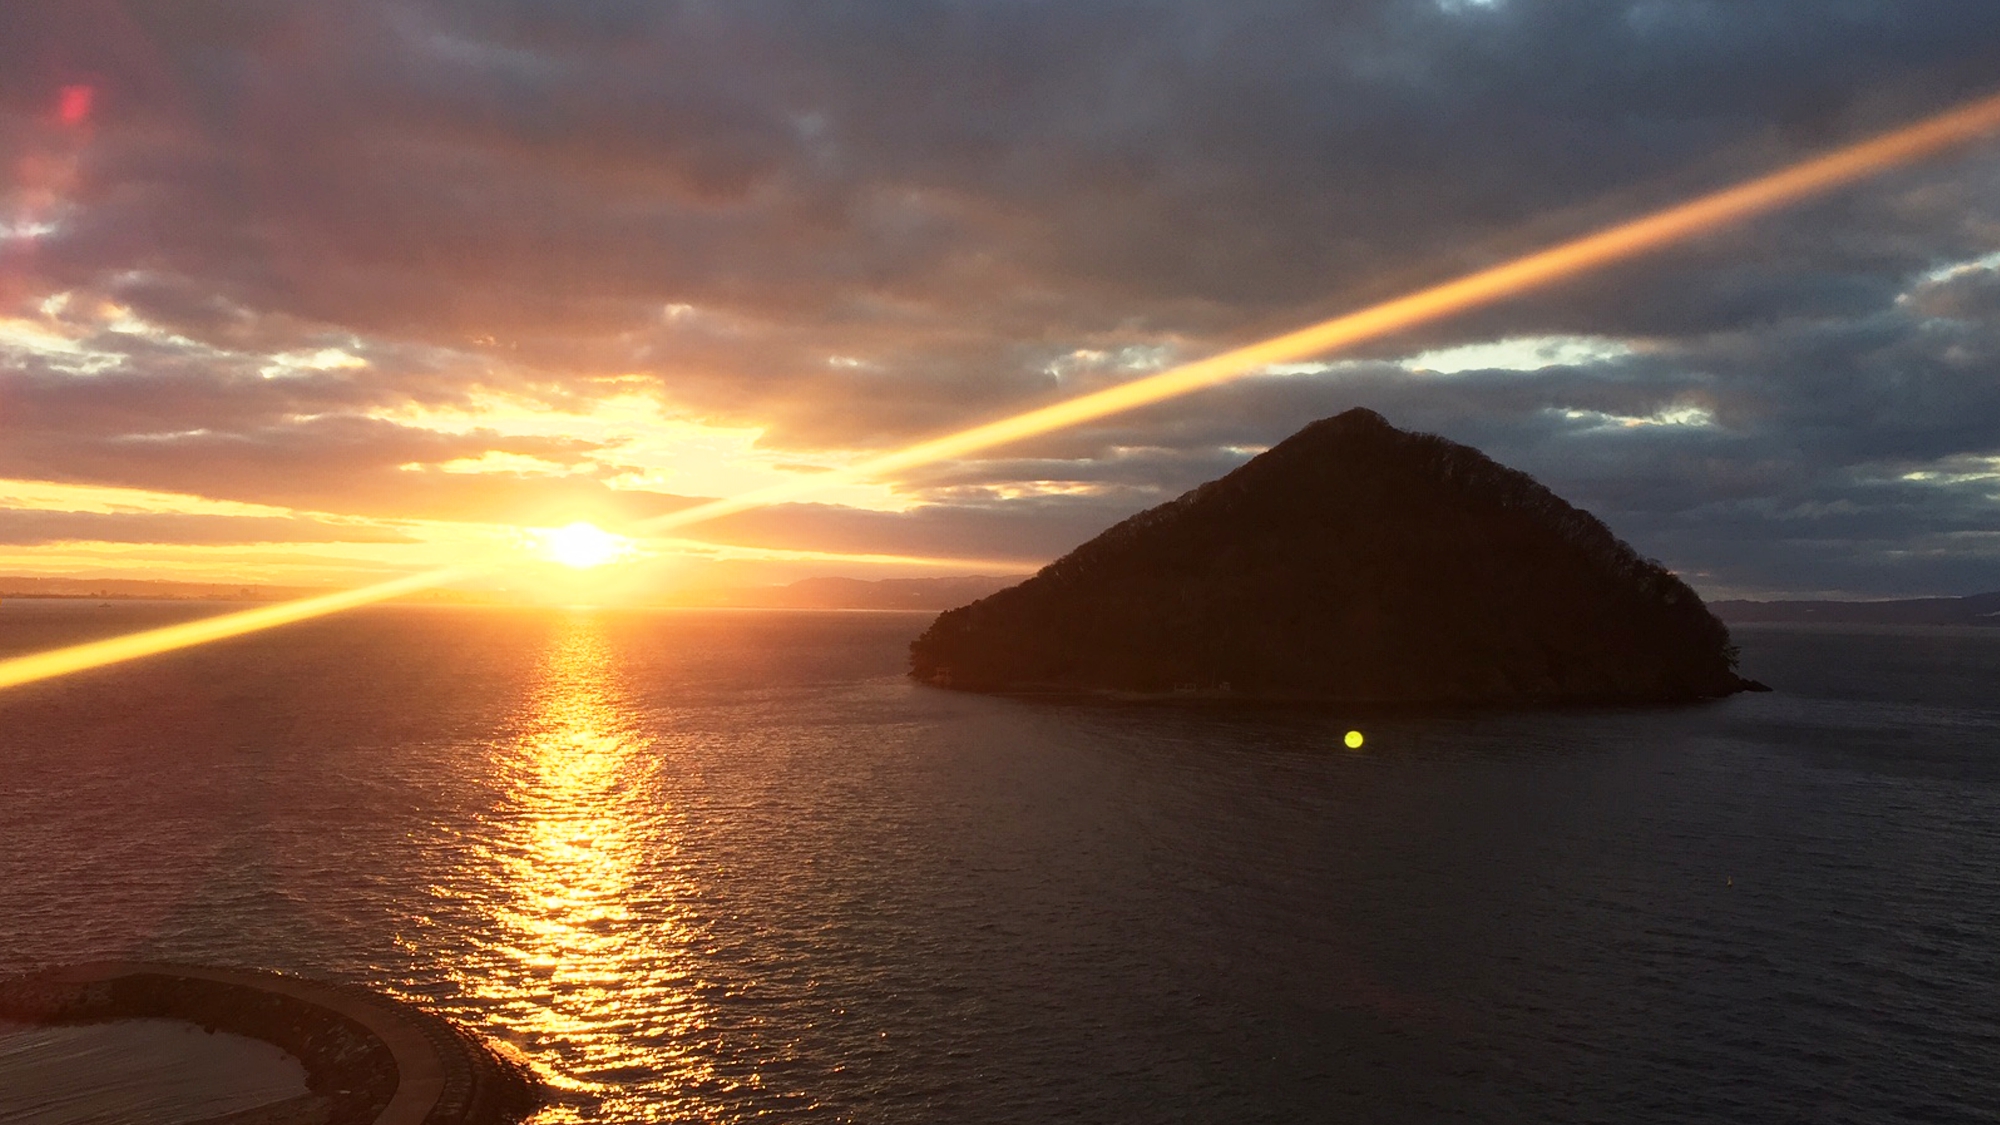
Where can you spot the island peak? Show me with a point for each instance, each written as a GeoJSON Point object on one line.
{"type": "Point", "coordinates": [1353, 561]}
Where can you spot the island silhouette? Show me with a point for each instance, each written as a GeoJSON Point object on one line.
{"type": "Point", "coordinates": [1353, 561]}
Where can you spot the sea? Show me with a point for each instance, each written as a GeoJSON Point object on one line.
{"type": "Point", "coordinates": [722, 866]}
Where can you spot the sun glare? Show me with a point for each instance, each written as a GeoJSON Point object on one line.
{"type": "Point", "coordinates": [583, 545]}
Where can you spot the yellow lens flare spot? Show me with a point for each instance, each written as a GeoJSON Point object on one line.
{"type": "Point", "coordinates": [582, 545]}
{"type": "Point", "coordinates": [1354, 740]}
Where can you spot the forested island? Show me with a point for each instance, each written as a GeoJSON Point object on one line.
{"type": "Point", "coordinates": [1355, 562]}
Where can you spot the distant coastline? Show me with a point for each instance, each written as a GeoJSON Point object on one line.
{"type": "Point", "coordinates": [1975, 609]}
{"type": "Point", "coordinates": [932, 594]}
{"type": "Point", "coordinates": [151, 589]}
{"type": "Point", "coordinates": [911, 594]}
{"type": "Point", "coordinates": [936, 594]}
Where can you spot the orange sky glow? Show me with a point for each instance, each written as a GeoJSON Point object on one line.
{"type": "Point", "coordinates": [631, 444]}
{"type": "Point", "coordinates": [565, 560]}
{"type": "Point", "coordinates": [323, 317]}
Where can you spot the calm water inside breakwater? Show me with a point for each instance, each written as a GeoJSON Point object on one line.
{"type": "Point", "coordinates": [711, 865]}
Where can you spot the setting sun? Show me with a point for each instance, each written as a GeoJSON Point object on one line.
{"type": "Point", "coordinates": [583, 545]}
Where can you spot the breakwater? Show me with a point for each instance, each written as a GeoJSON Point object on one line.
{"type": "Point", "coordinates": [369, 1059]}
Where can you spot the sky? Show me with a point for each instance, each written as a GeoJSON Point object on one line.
{"type": "Point", "coordinates": [325, 292]}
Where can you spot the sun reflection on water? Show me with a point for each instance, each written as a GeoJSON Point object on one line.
{"type": "Point", "coordinates": [567, 965]}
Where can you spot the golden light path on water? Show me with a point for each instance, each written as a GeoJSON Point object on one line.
{"type": "Point", "coordinates": [1959, 126]}
{"type": "Point", "coordinates": [585, 831]}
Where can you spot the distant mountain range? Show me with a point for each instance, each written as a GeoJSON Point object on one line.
{"type": "Point", "coordinates": [935, 594]}
{"type": "Point", "coordinates": [1978, 609]}
{"type": "Point", "coordinates": [24, 586]}
{"type": "Point", "coordinates": [924, 594]}
{"type": "Point", "coordinates": [856, 593]}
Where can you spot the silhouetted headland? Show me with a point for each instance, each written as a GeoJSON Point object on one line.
{"type": "Point", "coordinates": [1353, 562]}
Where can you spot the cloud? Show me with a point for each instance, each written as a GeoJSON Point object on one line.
{"type": "Point", "coordinates": [849, 225]}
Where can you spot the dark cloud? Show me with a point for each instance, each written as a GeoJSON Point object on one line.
{"type": "Point", "coordinates": [857, 223]}
{"type": "Point", "coordinates": [1032, 530]}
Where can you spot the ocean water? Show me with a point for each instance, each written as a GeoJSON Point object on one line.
{"type": "Point", "coordinates": [715, 866]}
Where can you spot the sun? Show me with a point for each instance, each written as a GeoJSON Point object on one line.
{"type": "Point", "coordinates": [583, 545]}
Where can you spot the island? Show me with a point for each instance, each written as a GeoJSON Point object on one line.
{"type": "Point", "coordinates": [1352, 562]}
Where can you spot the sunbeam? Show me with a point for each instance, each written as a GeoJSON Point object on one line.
{"type": "Point", "coordinates": [116, 650]}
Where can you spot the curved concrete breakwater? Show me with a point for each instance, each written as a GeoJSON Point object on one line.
{"type": "Point", "coordinates": [369, 1060]}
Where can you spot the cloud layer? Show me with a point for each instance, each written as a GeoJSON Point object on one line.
{"type": "Point", "coordinates": [282, 238]}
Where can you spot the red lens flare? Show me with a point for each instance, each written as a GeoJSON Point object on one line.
{"type": "Point", "coordinates": [74, 104]}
